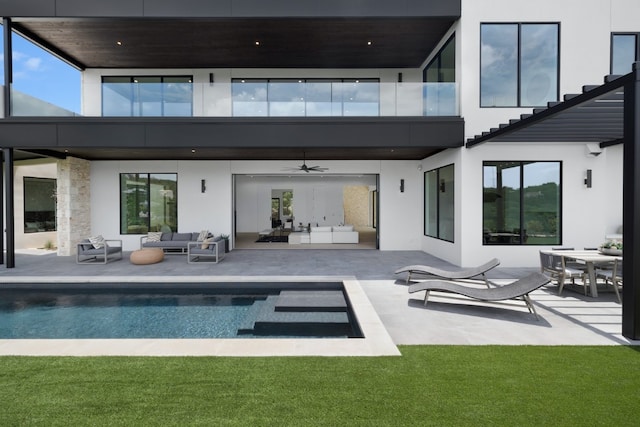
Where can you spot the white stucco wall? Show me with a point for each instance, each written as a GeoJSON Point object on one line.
{"type": "Point", "coordinates": [400, 213]}
{"type": "Point", "coordinates": [585, 37]}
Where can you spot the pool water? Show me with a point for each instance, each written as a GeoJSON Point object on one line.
{"type": "Point", "coordinates": [143, 313]}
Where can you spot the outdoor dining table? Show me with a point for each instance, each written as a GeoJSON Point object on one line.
{"type": "Point", "coordinates": [590, 258]}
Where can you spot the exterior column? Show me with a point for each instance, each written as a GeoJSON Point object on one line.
{"type": "Point", "coordinates": [8, 66]}
{"type": "Point", "coordinates": [631, 208]}
{"type": "Point", "coordinates": [9, 212]}
{"type": "Point", "coordinates": [73, 204]}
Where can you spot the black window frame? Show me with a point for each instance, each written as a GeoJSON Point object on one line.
{"type": "Point", "coordinates": [519, 65]}
{"type": "Point", "coordinates": [440, 189]}
{"type": "Point", "coordinates": [148, 200]}
{"type": "Point", "coordinates": [437, 59]}
{"type": "Point", "coordinates": [267, 81]}
{"type": "Point", "coordinates": [43, 223]}
{"type": "Point", "coordinates": [522, 238]}
{"type": "Point", "coordinates": [132, 80]}
{"type": "Point", "coordinates": [637, 52]}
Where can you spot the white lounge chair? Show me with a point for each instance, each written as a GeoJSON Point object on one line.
{"type": "Point", "coordinates": [458, 274]}
{"type": "Point", "coordinates": [518, 290]}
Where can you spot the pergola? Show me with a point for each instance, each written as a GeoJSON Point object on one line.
{"type": "Point", "coordinates": [607, 114]}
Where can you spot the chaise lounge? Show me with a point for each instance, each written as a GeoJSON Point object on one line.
{"type": "Point", "coordinates": [518, 290]}
{"type": "Point", "coordinates": [458, 274]}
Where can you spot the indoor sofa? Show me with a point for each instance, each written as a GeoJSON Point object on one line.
{"type": "Point", "coordinates": [173, 242]}
{"type": "Point", "coordinates": [333, 234]}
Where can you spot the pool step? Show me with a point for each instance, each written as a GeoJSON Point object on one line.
{"type": "Point", "coordinates": [311, 301]}
{"type": "Point", "coordinates": [301, 313]}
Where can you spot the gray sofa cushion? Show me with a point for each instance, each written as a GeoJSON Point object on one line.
{"type": "Point", "coordinates": [183, 237]}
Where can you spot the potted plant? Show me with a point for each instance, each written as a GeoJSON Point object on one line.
{"type": "Point", "coordinates": [611, 247]}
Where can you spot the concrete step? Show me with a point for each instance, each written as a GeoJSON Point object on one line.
{"type": "Point", "coordinates": [308, 301]}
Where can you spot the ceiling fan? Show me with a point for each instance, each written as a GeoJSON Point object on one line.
{"type": "Point", "coordinates": [303, 167]}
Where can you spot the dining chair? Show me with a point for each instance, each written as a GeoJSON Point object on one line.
{"type": "Point", "coordinates": [555, 267]}
{"type": "Point", "coordinates": [611, 274]}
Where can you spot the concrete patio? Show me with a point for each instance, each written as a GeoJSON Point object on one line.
{"type": "Point", "coordinates": [568, 319]}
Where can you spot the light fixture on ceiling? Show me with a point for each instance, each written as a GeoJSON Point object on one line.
{"type": "Point", "coordinates": [257, 42]}
{"type": "Point", "coordinates": [119, 43]}
{"type": "Point", "coordinates": [369, 43]}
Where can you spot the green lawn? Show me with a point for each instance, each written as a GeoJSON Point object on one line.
{"type": "Point", "coordinates": [428, 385]}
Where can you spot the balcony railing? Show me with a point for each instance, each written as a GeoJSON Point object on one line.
{"type": "Point", "coordinates": [315, 99]}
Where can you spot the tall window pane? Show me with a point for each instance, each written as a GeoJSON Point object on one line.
{"type": "Point", "coordinates": [439, 203]}
{"type": "Point", "coordinates": [177, 96]}
{"type": "Point", "coordinates": [445, 204]}
{"type": "Point", "coordinates": [147, 96]}
{"type": "Point", "coordinates": [163, 194]}
{"type": "Point", "coordinates": [117, 96]}
{"type": "Point", "coordinates": [498, 65]}
{"type": "Point", "coordinates": [521, 203]}
{"type": "Point", "coordinates": [539, 64]}
{"type": "Point", "coordinates": [431, 203]}
{"type": "Point", "coordinates": [624, 49]}
{"type": "Point", "coordinates": [541, 202]}
{"type": "Point", "coordinates": [39, 204]}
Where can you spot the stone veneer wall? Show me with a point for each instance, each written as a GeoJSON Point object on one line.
{"type": "Point", "coordinates": [74, 204]}
{"type": "Point", "coordinates": [356, 205]}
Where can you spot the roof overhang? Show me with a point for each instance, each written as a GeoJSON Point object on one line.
{"type": "Point", "coordinates": [206, 34]}
{"type": "Point", "coordinates": [233, 138]}
{"type": "Point", "coordinates": [594, 116]}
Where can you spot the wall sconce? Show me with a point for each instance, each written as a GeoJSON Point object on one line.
{"type": "Point", "coordinates": [402, 185]}
{"type": "Point", "coordinates": [587, 180]}
{"type": "Point", "coordinates": [203, 185]}
{"type": "Point", "coordinates": [442, 185]}
{"type": "Point", "coordinates": [210, 79]}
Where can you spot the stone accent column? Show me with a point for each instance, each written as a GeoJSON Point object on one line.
{"type": "Point", "coordinates": [74, 203]}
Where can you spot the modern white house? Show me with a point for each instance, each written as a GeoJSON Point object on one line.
{"type": "Point", "coordinates": [195, 112]}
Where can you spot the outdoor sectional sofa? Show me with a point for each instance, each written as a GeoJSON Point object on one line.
{"type": "Point", "coordinates": [178, 242]}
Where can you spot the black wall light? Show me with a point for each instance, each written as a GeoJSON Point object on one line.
{"type": "Point", "coordinates": [203, 185]}
{"type": "Point", "coordinates": [210, 79]}
{"type": "Point", "coordinates": [587, 180]}
{"type": "Point", "coordinates": [402, 185]}
{"type": "Point", "coordinates": [442, 186]}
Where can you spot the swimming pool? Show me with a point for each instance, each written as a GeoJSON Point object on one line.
{"type": "Point", "coordinates": [183, 311]}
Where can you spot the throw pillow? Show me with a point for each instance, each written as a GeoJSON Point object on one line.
{"type": "Point", "coordinates": [154, 236]}
{"type": "Point", "coordinates": [205, 243]}
{"type": "Point", "coordinates": [203, 235]}
{"type": "Point", "coordinates": [97, 241]}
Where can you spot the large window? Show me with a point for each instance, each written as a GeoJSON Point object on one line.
{"type": "Point", "coordinates": [522, 203]}
{"type": "Point", "coordinates": [625, 50]}
{"type": "Point", "coordinates": [305, 97]}
{"type": "Point", "coordinates": [149, 96]}
{"type": "Point", "coordinates": [440, 94]}
{"type": "Point", "coordinates": [39, 204]}
{"type": "Point", "coordinates": [519, 64]}
{"type": "Point", "coordinates": [438, 200]}
{"type": "Point", "coordinates": [148, 202]}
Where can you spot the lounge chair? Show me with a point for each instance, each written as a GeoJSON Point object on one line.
{"type": "Point", "coordinates": [107, 250]}
{"type": "Point", "coordinates": [459, 274]}
{"type": "Point", "coordinates": [518, 290]}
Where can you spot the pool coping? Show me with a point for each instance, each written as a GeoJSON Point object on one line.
{"type": "Point", "coordinates": [376, 341]}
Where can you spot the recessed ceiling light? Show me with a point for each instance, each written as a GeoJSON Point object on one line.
{"type": "Point", "coordinates": [369, 43]}
{"type": "Point", "coordinates": [119, 43]}
{"type": "Point", "coordinates": [193, 151]}
{"type": "Point", "coordinates": [257, 42]}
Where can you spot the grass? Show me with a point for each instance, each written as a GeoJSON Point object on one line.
{"type": "Point", "coordinates": [428, 385]}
